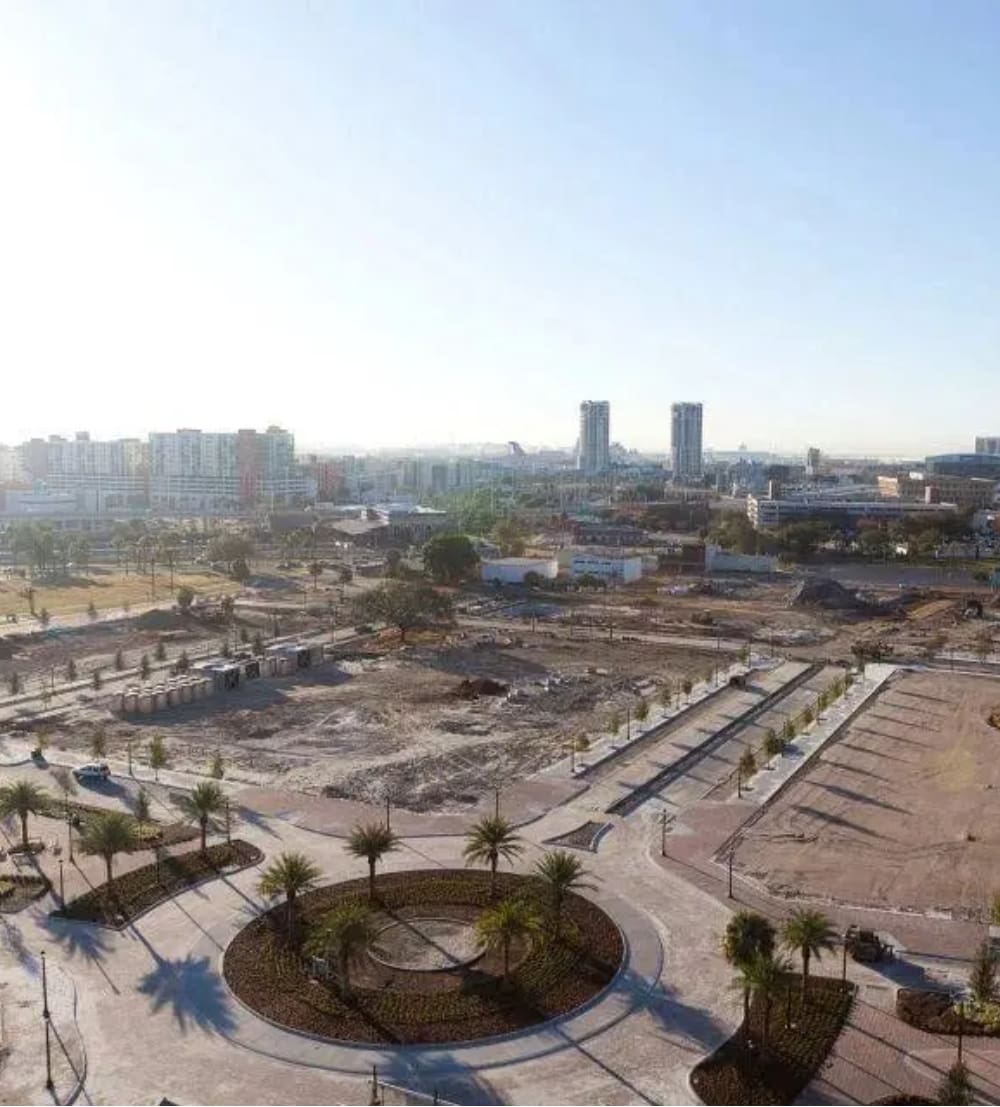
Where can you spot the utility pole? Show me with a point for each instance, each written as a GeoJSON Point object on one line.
{"type": "Point", "coordinates": [45, 1015]}
{"type": "Point", "coordinates": [62, 887]}
{"type": "Point", "coordinates": [387, 824]}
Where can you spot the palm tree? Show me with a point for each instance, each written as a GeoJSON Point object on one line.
{"type": "Point", "coordinates": [22, 798]}
{"type": "Point", "coordinates": [507, 922]}
{"type": "Point", "coordinates": [288, 875]}
{"type": "Point", "coordinates": [108, 834]}
{"type": "Point", "coordinates": [490, 839]}
{"type": "Point", "coordinates": [747, 934]}
{"type": "Point", "coordinates": [345, 935]}
{"type": "Point", "coordinates": [206, 799]}
{"type": "Point", "coordinates": [371, 842]}
{"type": "Point", "coordinates": [808, 933]}
{"type": "Point", "coordinates": [766, 976]}
{"type": "Point", "coordinates": [562, 873]}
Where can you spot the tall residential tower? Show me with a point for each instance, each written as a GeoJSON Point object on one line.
{"type": "Point", "coordinates": [594, 450]}
{"type": "Point", "coordinates": [685, 442]}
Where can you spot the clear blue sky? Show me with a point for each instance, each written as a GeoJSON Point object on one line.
{"type": "Point", "coordinates": [389, 223]}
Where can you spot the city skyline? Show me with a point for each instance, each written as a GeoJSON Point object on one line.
{"type": "Point", "coordinates": [361, 222]}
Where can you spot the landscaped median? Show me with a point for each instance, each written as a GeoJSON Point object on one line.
{"type": "Point", "coordinates": [422, 968]}
{"type": "Point", "coordinates": [778, 1064]}
{"type": "Point", "coordinates": [136, 891]}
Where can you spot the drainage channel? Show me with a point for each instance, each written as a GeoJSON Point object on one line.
{"type": "Point", "coordinates": [638, 796]}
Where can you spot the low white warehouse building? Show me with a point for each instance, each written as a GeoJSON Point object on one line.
{"type": "Point", "coordinates": [513, 570]}
{"type": "Point", "coordinates": [607, 566]}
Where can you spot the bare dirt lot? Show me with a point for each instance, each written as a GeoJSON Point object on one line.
{"type": "Point", "coordinates": [901, 811]}
{"type": "Point", "coordinates": [394, 720]}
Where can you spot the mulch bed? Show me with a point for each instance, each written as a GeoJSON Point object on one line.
{"type": "Point", "coordinates": [395, 1005]}
{"type": "Point", "coordinates": [934, 1011]}
{"type": "Point", "coordinates": [794, 1055]}
{"type": "Point", "coordinates": [25, 890]}
{"type": "Point", "coordinates": [136, 891]}
{"type": "Point", "coordinates": [170, 834]}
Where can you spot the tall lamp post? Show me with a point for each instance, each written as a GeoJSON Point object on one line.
{"type": "Point", "coordinates": [45, 1015]}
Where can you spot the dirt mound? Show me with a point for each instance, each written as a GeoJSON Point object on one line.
{"type": "Point", "coordinates": [474, 687]}
{"type": "Point", "coordinates": [158, 619]}
{"type": "Point", "coordinates": [827, 594]}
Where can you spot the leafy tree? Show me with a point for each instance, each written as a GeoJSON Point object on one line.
{"type": "Point", "coordinates": [144, 666]}
{"type": "Point", "coordinates": [106, 835]}
{"type": "Point", "coordinates": [158, 758]}
{"type": "Point", "coordinates": [160, 653]}
{"type": "Point", "coordinates": [372, 842]}
{"type": "Point", "coordinates": [344, 935]}
{"type": "Point", "coordinates": [13, 684]}
{"type": "Point", "coordinates": [183, 662]}
{"type": "Point", "coordinates": [288, 875]}
{"type": "Point", "coordinates": [403, 605]}
{"type": "Point", "coordinates": [450, 558]}
{"type": "Point", "coordinates": [744, 655]}
{"type": "Point", "coordinates": [258, 644]}
{"type": "Point", "coordinates": [185, 597]}
{"type": "Point", "coordinates": [983, 977]}
{"type": "Point", "coordinates": [71, 670]}
{"type": "Point", "coordinates": [746, 935]}
{"type": "Point", "coordinates": [509, 536]}
{"type": "Point", "coordinates": [244, 635]}
{"type": "Point", "coordinates": [615, 722]}
{"type": "Point", "coordinates": [240, 570]}
{"type": "Point", "coordinates": [99, 743]}
{"type": "Point", "coordinates": [119, 661]}
{"type": "Point", "coordinates": [218, 767]}
{"type": "Point", "coordinates": [490, 839]}
{"type": "Point", "coordinates": [562, 873]}
{"type": "Point", "coordinates": [788, 730]}
{"type": "Point", "coordinates": [666, 697]}
{"type": "Point", "coordinates": [748, 764]}
{"type": "Point", "coordinates": [316, 571]}
{"type": "Point", "coordinates": [686, 687]}
{"type": "Point", "coordinates": [95, 680]}
{"type": "Point", "coordinates": [956, 1087]}
{"type": "Point", "coordinates": [344, 575]}
{"type": "Point", "coordinates": [66, 781]}
{"type": "Point", "coordinates": [393, 559]}
{"type": "Point", "coordinates": [773, 745]}
{"type": "Point", "coordinates": [91, 611]}
{"type": "Point", "coordinates": [230, 548]}
{"type": "Point", "coordinates": [205, 801]}
{"type": "Point", "coordinates": [43, 617]}
{"type": "Point", "coordinates": [142, 809]}
{"type": "Point", "coordinates": [507, 922]}
{"type": "Point", "coordinates": [225, 649]}
{"type": "Point", "coordinates": [641, 711]}
{"type": "Point", "coordinates": [807, 716]}
{"type": "Point", "coordinates": [809, 933]}
{"type": "Point", "coordinates": [22, 798]}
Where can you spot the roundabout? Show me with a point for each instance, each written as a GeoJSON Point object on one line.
{"type": "Point", "coordinates": [425, 974]}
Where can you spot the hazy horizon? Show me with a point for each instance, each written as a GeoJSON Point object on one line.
{"type": "Point", "coordinates": [394, 223]}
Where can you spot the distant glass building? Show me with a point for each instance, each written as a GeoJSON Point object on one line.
{"type": "Point", "coordinates": [987, 445]}
{"type": "Point", "coordinates": [594, 449]}
{"type": "Point", "coordinates": [685, 442]}
{"type": "Point", "coordinates": [979, 464]}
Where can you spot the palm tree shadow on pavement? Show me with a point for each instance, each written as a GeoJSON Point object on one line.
{"type": "Point", "coordinates": [194, 993]}
{"type": "Point", "coordinates": [689, 1028]}
{"type": "Point", "coordinates": [86, 939]}
{"type": "Point", "coordinates": [433, 1074]}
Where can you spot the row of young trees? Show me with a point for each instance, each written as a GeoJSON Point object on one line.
{"type": "Point", "coordinates": [345, 934]}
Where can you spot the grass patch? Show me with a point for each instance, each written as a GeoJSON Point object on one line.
{"type": "Point", "coordinates": [794, 1053]}
{"type": "Point", "coordinates": [136, 891]}
{"type": "Point", "coordinates": [395, 1005]}
{"type": "Point", "coordinates": [107, 591]}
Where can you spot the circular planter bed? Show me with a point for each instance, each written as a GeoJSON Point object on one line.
{"type": "Point", "coordinates": [425, 979]}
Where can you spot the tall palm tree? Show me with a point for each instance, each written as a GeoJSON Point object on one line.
{"type": "Point", "coordinates": [345, 935]}
{"type": "Point", "coordinates": [372, 842]}
{"type": "Point", "coordinates": [206, 800]}
{"type": "Point", "coordinates": [499, 926]}
{"type": "Point", "coordinates": [808, 933]}
{"type": "Point", "coordinates": [562, 873]}
{"type": "Point", "coordinates": [747, 934]}
{"type": "Point", "coordinates": [490, 839]}
{"type": "Point", "coordinates": [22, 798]}
{"type": "Point", "coordinates": [108, 834]}
{"type": "Point", "coordinates": [288, 875]}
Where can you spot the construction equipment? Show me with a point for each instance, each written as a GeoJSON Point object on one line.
{"type": "Point", "coordinates": [866, 946]}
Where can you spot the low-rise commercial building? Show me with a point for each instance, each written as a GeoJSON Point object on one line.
{"type": "Point", "coordinates": [940, 488]}
{"type": "Point", "coordinates": [765, 512]}
{"type": "Point", "coordinates": [513, 570]}
{"type": "Point", "coordinates": [605, 565]}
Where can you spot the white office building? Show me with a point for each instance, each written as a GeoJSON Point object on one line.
{"type": "Point", "coordinates": [685, 443]}
{"type": "Point", "coordinates": [594, 448]}
{"type": "Point", "coordinates": [623, 568]}
{"type": "Point", "coordinates": [513, 570]}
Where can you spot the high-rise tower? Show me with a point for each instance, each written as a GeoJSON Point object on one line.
{"type": "Point", "coordinates": [594, 450]}
{"type": "Point", "coordinates": [685, 442]}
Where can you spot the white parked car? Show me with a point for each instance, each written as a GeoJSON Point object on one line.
{"type": "Point", "coordinates": [96, 770]}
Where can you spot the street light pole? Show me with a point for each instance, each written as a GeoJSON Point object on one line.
{"type": "Point", "coordinates": [62, 887]}
{"type": "Point", "coordinates": [730, 892]}
{"type": "Point", "coordinates": [663, 833]}
{"type": "Point", "coordinates": [387, 824]}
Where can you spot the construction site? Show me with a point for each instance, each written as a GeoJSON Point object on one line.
{"type": "Point", "coordinates": [899, 810]}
